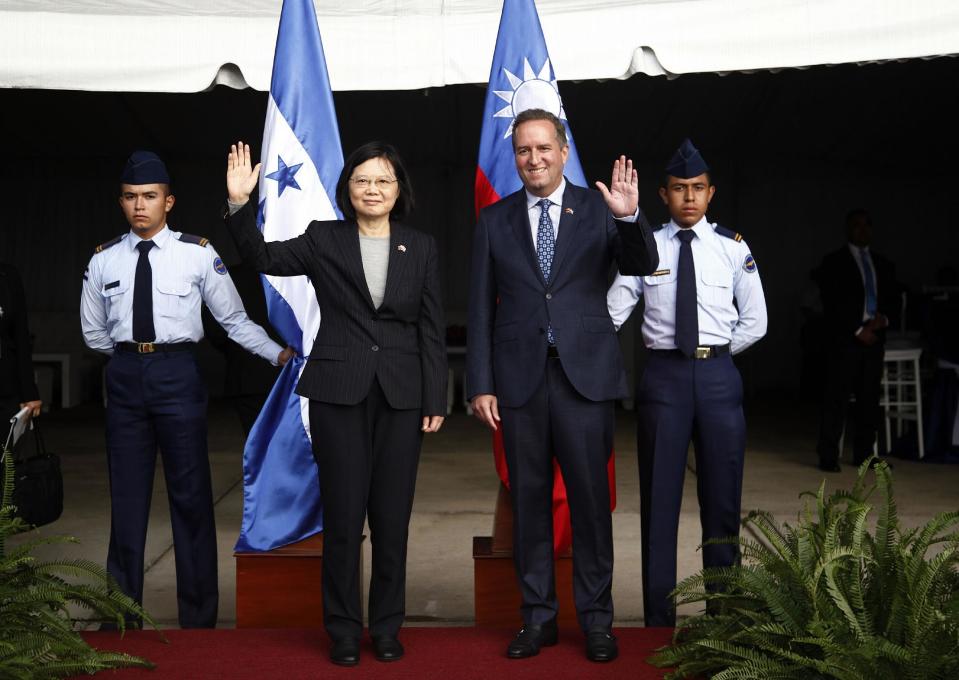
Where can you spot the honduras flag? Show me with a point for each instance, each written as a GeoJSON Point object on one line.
{"type": "Point", "coordinates": [522, 78]}
{"type": "Point", "coordinates": [301, 161]}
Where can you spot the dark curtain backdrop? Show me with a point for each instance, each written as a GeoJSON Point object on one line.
{"type": "Point", "coordinates": [791, 152]}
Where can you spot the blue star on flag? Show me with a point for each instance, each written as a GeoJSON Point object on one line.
{"type": "Point", "coordinates": [284, 175]}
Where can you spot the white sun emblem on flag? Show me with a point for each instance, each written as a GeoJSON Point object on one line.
{"type": "Point", "coordinates": [532, 91]}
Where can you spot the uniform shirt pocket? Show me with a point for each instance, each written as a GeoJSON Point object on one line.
{"type": "Point", "coordinates": [660, 289]}
{"type": "Point", "coordinates": [717, 285]}
{"type": "Point", "coordinates": [173, 298]}
{"type": "Point", "coordinates": [114, 294]}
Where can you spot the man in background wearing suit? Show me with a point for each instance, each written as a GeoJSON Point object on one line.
{"type": "Point", "coordinates": [859, 294]}
{"type": "Point", "coordinates": [544, 362]}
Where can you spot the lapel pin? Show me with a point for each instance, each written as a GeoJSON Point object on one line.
{"type": "Point", "coordinates": [568, 211]}
{"type": "Point", "coordinates": [401, 248]}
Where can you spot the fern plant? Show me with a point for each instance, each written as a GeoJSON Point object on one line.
{"type": "Point", "coordinates": [828, 598]}
{"type": "Point", "coordinates": [37, 636]}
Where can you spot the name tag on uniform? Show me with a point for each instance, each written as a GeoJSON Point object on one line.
{"type": "Point", "coordinates": [114, 284]}
{"type": "Point", "coordinates": [660, 272]}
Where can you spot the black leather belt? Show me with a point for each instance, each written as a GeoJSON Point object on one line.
{"type": "Point", "coordinates": [701, 352]}
{"type": "Point", "coordinates": [151, 347]}
{"type": "Point", "coordinates": [552, 352]}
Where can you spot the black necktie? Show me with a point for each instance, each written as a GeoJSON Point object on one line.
{"type": "Point", "coordinates": [687, 319]}
{"type": "Point", "coordinates": [143, 330]}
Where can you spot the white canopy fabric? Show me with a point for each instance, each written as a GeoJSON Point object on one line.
{"type": "Point", "coordinates": [190, 45]}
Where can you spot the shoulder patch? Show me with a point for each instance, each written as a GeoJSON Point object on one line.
{"type": "Point", "coordinates": [749, 264]}
{"type": "Point", "coordinates": [218, 266]}
{"type": "Point", "coordinates": [109, 244]}
{"type": "Point", "coordinates": [195, 240]}
{"type": "Point", "coordinates": [729, 233]}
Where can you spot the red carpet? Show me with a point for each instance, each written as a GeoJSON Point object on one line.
{"type": "Point", "coordinates": [455, 653]}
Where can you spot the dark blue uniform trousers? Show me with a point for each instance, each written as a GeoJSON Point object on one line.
{"type": "Point", "coordinates": [160, 400]}
{"type": "Point", "coordinates": [681, 400]}
{"type": "Point", "coordinates": [558, 421]}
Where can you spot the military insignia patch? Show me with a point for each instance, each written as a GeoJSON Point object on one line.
{"type": "Point", "coordinates": [660, 272]}
{"type": "Point", "coordinates": [749, 264]}
{"type": "Point", "coordinates": [219, 267]}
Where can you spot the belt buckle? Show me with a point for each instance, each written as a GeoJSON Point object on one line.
{"type": "Point", "coordinates": [703, 352]}
{"type": "Point", "coordinates": [145, 348]}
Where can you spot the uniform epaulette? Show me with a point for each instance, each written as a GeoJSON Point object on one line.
{"type": "Point", "coordinates": [109, 244]}
{"type": "Point", "coordinates": [729, 233]}
{"type": "Point", "coordinates": [195, 240]}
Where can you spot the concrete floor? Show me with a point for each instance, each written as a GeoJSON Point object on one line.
{"type": "Point", "coordinates": [456, 491]}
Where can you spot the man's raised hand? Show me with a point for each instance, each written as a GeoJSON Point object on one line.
{"type": "Point", "coordinates": [622, 196]}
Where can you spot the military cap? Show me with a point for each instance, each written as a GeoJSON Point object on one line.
{"type": "Point", "coordinates": [144, 167]}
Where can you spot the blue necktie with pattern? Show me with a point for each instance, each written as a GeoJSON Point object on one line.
{"type": "Point", "coordinates": [687, 314]}
{"type": "Point", "coordinates": [143, 329]}
{"type": "Point", "coordinates": [870, 281]}
{"type": "Point", "coordinates": [545, 245]}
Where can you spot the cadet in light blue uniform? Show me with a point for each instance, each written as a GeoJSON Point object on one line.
{"type": "Point", "coordinates": [140, 304]}
{"type": "Point", "coordinates": [690, 390]}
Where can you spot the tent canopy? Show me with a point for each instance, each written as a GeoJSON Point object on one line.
{"type": "Point", "coordinates": [187, 46]}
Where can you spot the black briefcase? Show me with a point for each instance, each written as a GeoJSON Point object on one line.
{"type": "Point", "coordinates": [37, 481]}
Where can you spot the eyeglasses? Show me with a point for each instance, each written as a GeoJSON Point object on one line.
{"type": "Point", "coordinates": [381, 183]}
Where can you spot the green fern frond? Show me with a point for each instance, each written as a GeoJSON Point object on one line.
{"type": "Point", "coordinates": [37, 636]}
{"type": "Point", "coordinates": [827, 599]}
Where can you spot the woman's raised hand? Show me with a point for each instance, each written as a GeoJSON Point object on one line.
{"type": "Point", "coordinates": [240, 177]}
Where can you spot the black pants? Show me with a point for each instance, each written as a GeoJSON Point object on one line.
{"type": "Point", "coordinates": [853, 369]}
{"type": "Point", "coordinates": [160, 400]}
{"type": "Point", "coordinates": [558, 421]}
{"type": "Point", "coordinates": [367, 455]}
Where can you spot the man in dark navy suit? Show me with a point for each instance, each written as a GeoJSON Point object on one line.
{"type": "Point", "coordinates": [543, 362]}
{"type": "Point", "coordinates": [859, 295]}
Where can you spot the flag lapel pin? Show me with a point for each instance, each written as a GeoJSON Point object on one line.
{"type": "Point", "coordinates": [401, 248]}
{"type": "Point", "coordinates": [568, 211]}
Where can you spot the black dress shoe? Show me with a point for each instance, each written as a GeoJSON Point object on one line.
{"type": "Point", "coordinates": [826, 466]}
{"type": "Point", "coordinates": [601, 646]}
{"type": "Point", "coordinates": [531, 638]}
{"type": "Point", "coordinates": [345, 652]}
{"type": "Point", "coordinates": [387, 648]}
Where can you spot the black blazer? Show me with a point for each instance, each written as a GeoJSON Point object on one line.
{"type": "Point", "coordinates": [402, 344]}
{"type": "Point", "coordinates": [511, 305]}
{"type": "Point", "coordinates": [16, 349]}
{"type": "Point", "coordinates": [844, 294]}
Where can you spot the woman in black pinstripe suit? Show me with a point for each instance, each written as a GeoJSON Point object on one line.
{"type": "Point", "coordinates": [376, 376]}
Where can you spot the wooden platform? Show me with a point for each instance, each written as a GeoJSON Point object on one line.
{"type": "Point", "coordinates": [282, 588]}
{"type": "Point", "coordinates": [496, 592]}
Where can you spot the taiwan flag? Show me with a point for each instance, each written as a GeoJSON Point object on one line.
{"type": "Point", "coordinates": [522, 78]}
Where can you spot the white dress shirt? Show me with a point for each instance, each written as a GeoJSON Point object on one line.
{"type": "Point", "coordinates": [725, 270]}
{"type": "Point", "coordinates": [857, 256]}
{"type": "Point", "coordinates": [184, 276]}
{"type": "Point", "coordinates": [533, 211]}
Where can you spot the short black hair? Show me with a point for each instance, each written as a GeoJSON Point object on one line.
{"type": "Point", "coordinates": [858, 213]}
{"type": "Point", "coordinates": [375, 149]}
{"type": "Point", "coordinates": [541, 114]}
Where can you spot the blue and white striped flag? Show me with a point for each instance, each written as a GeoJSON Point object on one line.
{"type": "Point", "coordinates": [301, 161]}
